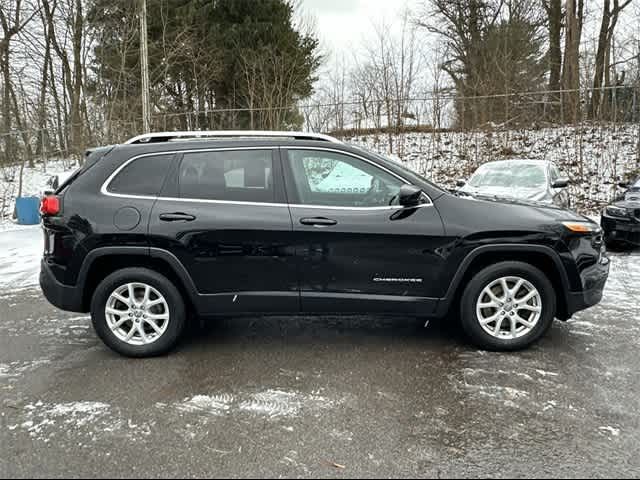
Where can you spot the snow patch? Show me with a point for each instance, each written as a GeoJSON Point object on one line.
{"type": "Point", "coordinates": [74, 416]}
{"type": "Point", "coordinates": [614, 432]}
{"type": "Point", "coordinates": [214, 405]}
{"type": "Point", "coordinates": [270, 403]}
{"type": "Point", "coordinates": [20, 255]}
{"type": "Point", "coordinates": [79, 420]}
{"type": "Point", "coordinates": [277, 403]}
{"type": "Point", "coordinates": [17, 369]}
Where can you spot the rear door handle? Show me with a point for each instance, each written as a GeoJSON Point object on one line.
{"type": "Point", "coordinates": [177, 217]}
{"type": "Point", "coordinates": [318, 221]}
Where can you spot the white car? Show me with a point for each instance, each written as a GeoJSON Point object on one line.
{"type": "Point", "coordinates": [529, 180]}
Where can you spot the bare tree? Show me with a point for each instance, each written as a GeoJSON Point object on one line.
{"type": "Point", "coordinates": [605, 43]}
{"type": "Point", "coordinates": [553, 9]}
{"type": "Point", "coordinates": [385, 78]}
{"type": "Point", "coordinates": [571, 65]}
{"type": "Point", "coordinates": [12, 21]}
{"type": "Point", "coordinates": [72, 62]}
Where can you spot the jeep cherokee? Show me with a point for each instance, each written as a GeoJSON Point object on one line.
{"type": "Point", "coordinates": [237, 223]}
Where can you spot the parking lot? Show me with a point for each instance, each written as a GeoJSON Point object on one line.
{"type": "Point", "coordinates": [329, 397]}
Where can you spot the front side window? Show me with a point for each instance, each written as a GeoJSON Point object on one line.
{"type": "Point", "coordinates": [239, 175]}
{"type": "Point", "coordinates": [142, 176]}
{"type": "Point", "coordinates": [333, 179]}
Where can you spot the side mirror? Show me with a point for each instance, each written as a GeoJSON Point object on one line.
{"type": "Point", "coordinates": [410, 196]}
{"type": "Point", "coordinates": [561, 183]}
{"type": "Point", "coordinates": [460, 183]}
{"type": "Point", "coordinates": [624, 185]}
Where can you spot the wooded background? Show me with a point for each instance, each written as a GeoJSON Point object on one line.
{"type": "Point", "coordinates": [70, 70]}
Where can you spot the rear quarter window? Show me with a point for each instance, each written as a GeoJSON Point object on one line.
{"type": "Point", "coordinates": [142, 176]}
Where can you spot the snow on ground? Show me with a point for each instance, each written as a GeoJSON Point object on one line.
{"type": "Point", "coordinates": [270, 404]}
{"type": "Point", "coordinates": [77, 420]}
{"type": "Point", "coordinates": [20, 255]}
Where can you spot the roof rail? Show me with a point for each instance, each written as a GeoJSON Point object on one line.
{"type": "Point", "coordinates": [168, 136]}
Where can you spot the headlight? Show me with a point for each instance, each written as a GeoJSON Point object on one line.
{"type": "Point", "coordinates": [616, 211]}
{"type": "Point", "coordinates": [582, 227]}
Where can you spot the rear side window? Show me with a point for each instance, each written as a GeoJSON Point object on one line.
{"type": "Point", "coordinates": [143, 176]}
{"type": "Point", "coordinates": [240, 175]}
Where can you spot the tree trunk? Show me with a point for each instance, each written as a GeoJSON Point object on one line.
{"type": "Point", "coordinates": [76, 118]}
{"type": "Point", "coordinates": [605, 39]}
{"type": "Point", "coordinates": [555, 50]}
{"type": "Point", "coordinates": [571, 64]}
{"type": "Point", "coordinates": [594, 107]}
{"type": "Point", "coordinates": [6, 103]}
{"type": "Point", "coordinates": [42, 108]}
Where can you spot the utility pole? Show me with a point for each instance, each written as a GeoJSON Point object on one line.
{"type": "Point", "coordinates": [144, 61]}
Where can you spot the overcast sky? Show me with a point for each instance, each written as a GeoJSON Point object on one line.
{"type": "Point", "coordinates": [345, 24]}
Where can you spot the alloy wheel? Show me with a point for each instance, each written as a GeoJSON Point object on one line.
{"type": "Point", "coordinates": [509, 308]}
{"type": "Point", "coordinates": [137, 314]}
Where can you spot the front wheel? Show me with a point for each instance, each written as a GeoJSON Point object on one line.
{"type": "Point", "coordinates": [138, 312]}
{"type": "Point", "coordinates": [508, 306]}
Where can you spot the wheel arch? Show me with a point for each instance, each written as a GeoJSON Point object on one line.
{"type": "Point", "coordinates": [542, 257]}
{"type": "Point", "coordinates": [103, 261]}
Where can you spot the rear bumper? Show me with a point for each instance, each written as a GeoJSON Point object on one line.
{"type": "Point", "coordinates": [62, 296]}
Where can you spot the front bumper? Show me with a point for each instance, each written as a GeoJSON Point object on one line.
{"type": "Point", "coordinates": [621, 230]}
{"type": "Point", "coordinates": [62, 296]}
{"type": "Point", "coordinates": [594, 279]}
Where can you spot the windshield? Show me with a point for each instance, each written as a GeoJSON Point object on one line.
{"type": "Point", "coordinates": [509, 174]}
{"type": "Point", "coordinates": [409, 174]}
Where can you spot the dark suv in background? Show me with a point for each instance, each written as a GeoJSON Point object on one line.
{"type": "Point", "coordinates": [236, 223]}
{"type": "Point", "coordinates": [621, 220]}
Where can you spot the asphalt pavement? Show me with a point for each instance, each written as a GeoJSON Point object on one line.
{"type": "Point", "coordinates": [322, 397]}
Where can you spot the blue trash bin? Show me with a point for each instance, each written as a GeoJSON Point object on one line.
{"type": "Point", "coordinates": [28, 210]}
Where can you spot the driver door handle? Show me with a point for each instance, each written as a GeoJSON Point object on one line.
{"type": "Point", "coordinates": [318, 221]}
{"type": "Point", "coordinates": [177, 217]}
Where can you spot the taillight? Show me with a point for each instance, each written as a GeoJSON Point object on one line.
{"type": "Point", "coordinates": [50, 205]}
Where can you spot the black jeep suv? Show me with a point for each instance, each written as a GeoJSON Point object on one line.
{"type": "Point", "coordinates": [235, 223]}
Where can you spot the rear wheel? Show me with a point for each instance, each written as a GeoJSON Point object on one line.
{"type": "Point", "coordinates": [507, 306]}
{"type": "Point", "coordinates": [138, 312]}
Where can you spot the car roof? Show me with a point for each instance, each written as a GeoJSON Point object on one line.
{"type": "Point", "coordinates": [523, 161]}
{"type": "Point", "coordinates": [154, 137]}
{"type": "Point", "coordinates": [209, 143]}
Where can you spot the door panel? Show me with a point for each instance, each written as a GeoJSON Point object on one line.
{"type": "Point", "coordinates": [236, 251]}
{"type": "Point", "coordinates": [374, 258]}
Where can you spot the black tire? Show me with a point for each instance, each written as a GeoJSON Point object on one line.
{"type": "Point", "coordinates": [469, 319]}
{"type": "Point", "coordinates": [177, 319]}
